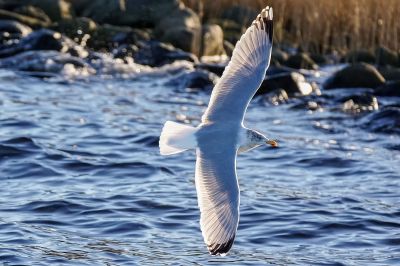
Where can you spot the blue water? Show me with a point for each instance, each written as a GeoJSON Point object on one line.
{"type": "Point", "coordinates": [82, 181]}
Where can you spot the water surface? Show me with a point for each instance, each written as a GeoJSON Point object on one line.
{"type": "Point", "coordinates": [82, 181]}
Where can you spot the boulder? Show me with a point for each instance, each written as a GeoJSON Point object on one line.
{"type": "Point", "coordinates": [355, 76]}
{"type": "Point", "coordinates": [13, 30]}
{"type": "Point", "coordinates": [155, 54]}
{"type": "Point", "coordinates": [293, 83]}
{"type": "Point", "coordinates": [360, 103]}
{"type": "Point", "coordinates": [216, 68]}
{"type": "Point", "coordinates": [277, 97]}
{"type": "Point", "coordinates": [46, 63]}
{"type": "Point", "coordinates": [276, 71]}
{"type": "Point", "coordinates": [386, 57]}
{"type": "Point", "coordinates": [307, 104]}
{"type": "Point", "coordinates": [55, 9]}
{"type": "Point", "coordinates": [76, 28]}
{"type": "Point", "coordinates": [333, 56]}
{"type": "Point", "coordinates": [104, 11]}
{"type": "Point", "coordinates": [182, 29]}
{"type": "Point", "coordinates": [390, 88]}
{"type": "Point", "coordinates": [44, 39]}
{"type": "Point", "coordinates": [278, 57]}
{"type": "Point", "coordinates": [398, 56]}
{"type": "Point", "coordinates": [78, 6]}
{"type": "Point", "coordinates": [125, 51]}
{"type": "Point", "coordinates": [33, 12]}
{"type": "Point", "coordinates": [197, 79]}
{"type": "Point", "coordinates": [135, 13]}
{"type": "Point", "coordinates": [108, 36]}
{"type": "Point", "coordinates": [31, 22]}
{"type": "Point", "coordinates": [212, 40]}
{"type": "Point", "coordinates": [300, 61]}
{"type": "Point", "coordinates": [390, 73]}
{"type": "Point", "coordinates": [319, 59]}
{"type": "Point", "coordinates": [232, 30]}
{"type": "Point", "coordinates": [359, 56]}
{"type": "Point", "coordinates": [132, 36]}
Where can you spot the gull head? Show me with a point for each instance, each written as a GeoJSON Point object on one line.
{"type": "Point", "coordinates": [253, 139]}
{"type": "Point", "coordinates": [256, 137]}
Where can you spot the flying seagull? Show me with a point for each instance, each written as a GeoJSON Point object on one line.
{"type": "Point", "coordinates": [221, 135]}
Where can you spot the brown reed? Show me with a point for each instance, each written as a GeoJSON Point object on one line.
{"type": "Point", "coordinates": [321, 26]}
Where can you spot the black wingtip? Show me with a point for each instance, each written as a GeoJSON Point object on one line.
{"type": "Point", "coordinates": [270, 29]}
{"type": "Point", "coordinates": [264, 21]}
{"type": "Point", "coordinates": [221, 249]}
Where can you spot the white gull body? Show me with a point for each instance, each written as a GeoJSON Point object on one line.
{"type": "Point", "coordinates": [221, 135]}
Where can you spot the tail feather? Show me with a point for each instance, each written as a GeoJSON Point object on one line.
{"type": "Point", "coordinates": [176, 138]}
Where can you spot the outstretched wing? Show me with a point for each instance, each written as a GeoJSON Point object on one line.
{"type": "Point", "coordinates": [218, 197]}
{"type": "Point", "coordinates": [244, 73]}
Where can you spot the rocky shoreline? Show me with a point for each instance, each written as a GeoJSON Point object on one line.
{"type": "Point", "coordinates": [46, 37]}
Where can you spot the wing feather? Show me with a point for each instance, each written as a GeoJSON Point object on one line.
{"type": "Point", "coordinates": [244, 73]}
{"type": "Point", "coordinates": [218, 197]}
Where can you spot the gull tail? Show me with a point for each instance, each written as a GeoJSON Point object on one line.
{"type": "Point", "coordinates": [176, 138]}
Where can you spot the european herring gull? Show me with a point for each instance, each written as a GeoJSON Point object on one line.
{"type": "Point", "coordinates": [221, 135]}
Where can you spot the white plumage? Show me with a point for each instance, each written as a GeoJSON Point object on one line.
{"type": "Point", "coordinates": [176, 138]}
{"type": "Point", "coordinates": [221, 135]}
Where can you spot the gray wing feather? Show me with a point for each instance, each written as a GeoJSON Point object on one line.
{"type": "Point", "coordinates": [218, 197]}
{"type": "Point", "coordinates": [244, 73]}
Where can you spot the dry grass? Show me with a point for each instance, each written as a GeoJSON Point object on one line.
{"type": "Point", "coordinates": [323, 25]}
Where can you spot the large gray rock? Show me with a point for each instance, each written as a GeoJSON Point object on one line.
{"type": "Point", "coordinates": [107, 36]}
{"type": "Point", "coordinates": [173, 23]}
{"type": "Point", "coordinates": [130, 12]}
{"type": "Point", "coordinates": [155, 54]}
{"type": "Point", "coordinates": [33, 12]}
{"type": "Point", "coordinates": [278, 57]}
{"type": "Point", "coordinates": [42, 40]}
{"type": "Point", "coordinates": [55, 9]}
{"type": "Point", "coordinates": [294, 84]}
{"type": "Point", "coordinates": [359, 56]}
{"type": "Point", "coordinates": [360, 103]}
{"type": "Point", "coordinates": [182, 29]}
{"type": "Point", "coordinates": [390, 73]}
{"type": "Point", "coordinates": [110, 36]}
{"type": "Point", "coordinates": [110, 11]}
{"type": "Point", "coordinates": [76, 28]}
{"type": "Point", "coordinates": [216, 68]}
{"type": "Point", "coordinates": [232, 30]}
{"type": "Point", "coordinates": [13, 29]}
{"type": "Point", "coordinates": [197, 79]}
{"type": "Point", "coordinates": [386, 57]}
{"type": "Point", "coordinates": [30, 21]}
{"type": "Point", "coordinates": [79, 5]}
{"type": "Point", "coordinates": [301, 61]}
{"type": "Point", "coordinates": [319, 59]}
{"type": "Point", "coordinates": [45, 63]}
{"type": "Point", "coordinates": [356, 76]}
{"type": "Point", "coordinates": [213, 40]}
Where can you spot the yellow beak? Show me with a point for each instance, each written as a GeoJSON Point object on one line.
{"type": "Point", "coordinates": [273, 143]}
